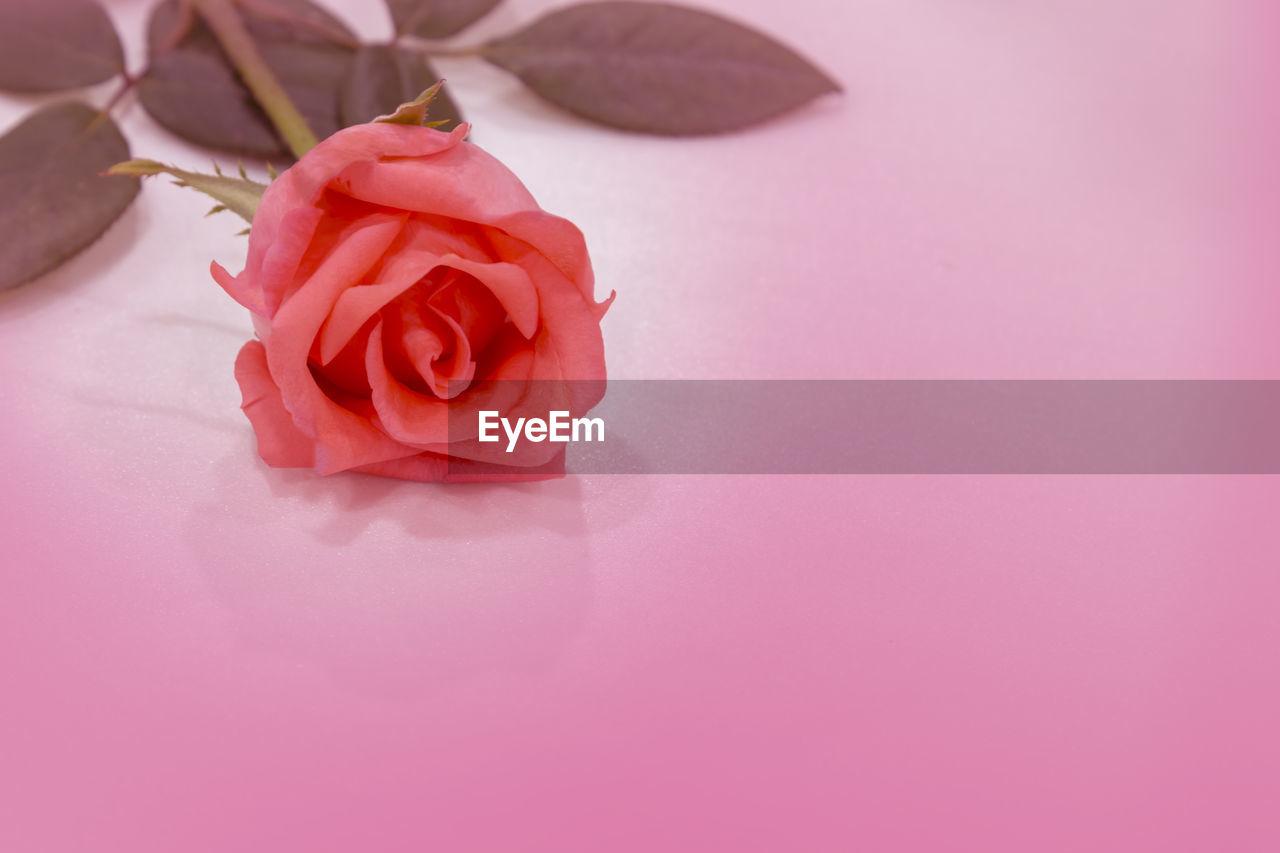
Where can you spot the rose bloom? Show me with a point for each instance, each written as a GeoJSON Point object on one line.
{"type": "Point", "coordinates": [402, 280]}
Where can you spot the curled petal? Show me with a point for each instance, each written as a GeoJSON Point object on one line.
{"type": "Point", "coordinates": [298, 188]}
{"type": "Point", "coordinates": [240, 289]}
{"type": "Point", "coordinates": [280, 443]}
{"type": "Point", "coordinates": [467, 183]}
{"type": "Point", "coordinates": [343, 438]}
{"type": "Point", "coordinates": [602, 308]}
{"type": "Point", "coordinates": [407, 416]}
{"type": "Point", "coordinates": [356, 306]}
{"type": "Point", "coordinates": [280, 262]}
{"type": "Point", "coordinates": [463, 182]}
{"type": "Point", "coordinates": [556, 239]}
{"type": "Point", "coordinates": [510, 284]}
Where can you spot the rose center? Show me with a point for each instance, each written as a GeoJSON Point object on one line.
{"type": "Point", "coordinates": [435, 331]}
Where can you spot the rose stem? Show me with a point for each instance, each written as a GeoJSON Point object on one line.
{"type": "Point", "coordinates": [230, 32]}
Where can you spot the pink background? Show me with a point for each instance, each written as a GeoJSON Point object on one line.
{"type": "Point", "coordinates": [198, 653]}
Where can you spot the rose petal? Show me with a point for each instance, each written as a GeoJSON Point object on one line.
{"type": "Point", "coordinates": [406, 415]}
{"type": "Point", "coordinates": [449, 377]}
{"type": "Point", "coordinates": [556, 239]}
{"type": "Point", "coordinates": [286, 205]}
{"type": "Point", "coordinates": [280, 262]}
{"type": "Point", "coordinates": [343, 438]}
{"type": "Point", "coordinates": [301, 185]}
{"type": "Point", "coordinates": [461, 182]}
{"type": "Point", "coordinates": [240, 289]}
{"type": "Point", "coordinates": [280, 443]}
{"type": "Point", "coordinates": [354, 307]}
{"type": "Point", "coordinates": [422, 467]}
{"type": "Point", "coordinates": [510, 284]}
{"type": "Point", "coordinates": [570, 323]}
{"type": "Point", "coordinates": [467, 183]}
{"type": "Point", "coordinates": [601, 308]}
{"type": "Point", "coordinates": [415, 339]}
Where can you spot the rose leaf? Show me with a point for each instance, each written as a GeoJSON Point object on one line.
{"type": "Point", "coordinates": [383, 79]}
{"type": "Point", "coordinates": [437, 19]}
{"type": "Point", "coordinates": [658, 68]}
{"type": "Point", "coordinates": [53, 198]}
{"type": "Point", "coordinates": [192, 89]}
{"type": "Point", "coordinates": [52, 45]}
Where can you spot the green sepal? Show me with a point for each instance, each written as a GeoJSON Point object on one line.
{"type": "Point", "coordinates": [414, 112]}
{"type": "Point", "coordinates": [239, 195]}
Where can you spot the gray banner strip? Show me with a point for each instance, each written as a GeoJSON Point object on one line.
{"type": "Point", "coordinates": [932, 427]}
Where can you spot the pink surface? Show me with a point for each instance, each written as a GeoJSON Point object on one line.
{"type": "Point", "coordinates": [198, 653]}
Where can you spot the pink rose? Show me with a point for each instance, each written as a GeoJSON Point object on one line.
{"type": "Point", "coordinates": [392, 271]}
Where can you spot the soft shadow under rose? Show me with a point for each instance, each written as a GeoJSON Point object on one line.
{"type": "Point", "coordinates": [401, 280]}
{"type": "Point", "coordinates": [344, 575]}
